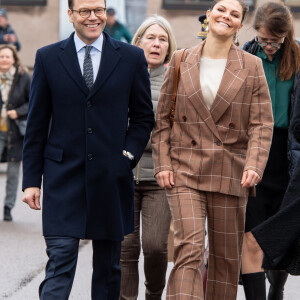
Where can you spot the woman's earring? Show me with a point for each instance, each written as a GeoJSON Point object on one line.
{"type": "Point", "coordinates": [236, 40]}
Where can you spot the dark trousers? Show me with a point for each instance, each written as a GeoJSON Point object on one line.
{"type": "Point", "coordinates": [61, 266]}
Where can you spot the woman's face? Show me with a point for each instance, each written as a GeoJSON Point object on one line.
{"type": "Point", "coordinates": [265, 36]}
{"type": "Point", "coordinates": [155, 44]}
{"type": "Point", "coordinates": [225, 19]}
{"type": "Point", "coordinates": [6, 60]}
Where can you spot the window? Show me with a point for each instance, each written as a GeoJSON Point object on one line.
{"type": "Point", "coordinates": [24, 2]}
{"type": "Point", "coordinates": [196, 4]}
{"type": "Point", "coordinates": [293, 4]}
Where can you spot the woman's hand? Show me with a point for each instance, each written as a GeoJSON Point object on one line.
{"type": "Point", "coordinates": [249, 179]}
{"type": "Point", "coordinates": [12, 114]}
{"type": "Point", "coordinates": [165, 179]}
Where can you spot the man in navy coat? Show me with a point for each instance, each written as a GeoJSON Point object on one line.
{"type": "Point", "coordinates": [83, 138]}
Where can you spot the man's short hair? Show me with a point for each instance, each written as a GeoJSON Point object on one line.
{"type": "Point", "coordinates": [71, 3]}
{"type": "Point", "coordinates": [110, 11]}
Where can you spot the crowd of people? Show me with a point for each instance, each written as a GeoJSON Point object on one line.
{"type": "Point", "coordinates": [207, 138]}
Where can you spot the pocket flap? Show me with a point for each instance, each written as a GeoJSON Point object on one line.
{"type": "Point", "coordinates": [53, 153]}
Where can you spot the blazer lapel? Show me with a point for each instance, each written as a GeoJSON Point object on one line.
{"type": "Point", "coordinates": [190, 77]}
{"type": "Point", "coordinates": [109, 60]}
{"type": "Point", "coordinates": [232, 81]}
{"type": "Point", "coordinates": [69, 60]}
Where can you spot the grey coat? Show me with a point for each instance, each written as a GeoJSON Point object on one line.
{"type": "Point", "coordinates": [144, 170]}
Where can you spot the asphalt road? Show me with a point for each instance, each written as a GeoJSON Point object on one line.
{"type": "Point", "coordinates": [23, 258]}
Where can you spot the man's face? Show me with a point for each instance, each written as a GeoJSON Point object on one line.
{"type": "Point", "coordinates": [3, 21]}
{"type": "Point", "coordinates": [111, 20]}
{"type": "Point", "coordinates": [89, 28]}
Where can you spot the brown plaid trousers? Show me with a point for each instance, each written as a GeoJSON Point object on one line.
{"type": "Point", "coordinates": [208, 150]}
{"type": "Point", "coordinates": [225, 220]}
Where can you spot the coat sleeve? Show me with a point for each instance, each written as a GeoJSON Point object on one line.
{"type": "Point", "coordinates": [39, 115]}
{"type": "Point", "coordinates": [278, 233]}
{"type": "Point", "coordinates": [260, 128]}
{"type": "Point", "coordinates": [22, 110]}
{"type": "Point", "coordinates": [141, 115]}
{"type": "Point", "coordinates": [294, 128]}
{"type": "Point", "coordinates": [162, 130]}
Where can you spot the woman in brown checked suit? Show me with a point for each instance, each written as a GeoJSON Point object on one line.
{"type": "Point", "coordinates": [213, 155]}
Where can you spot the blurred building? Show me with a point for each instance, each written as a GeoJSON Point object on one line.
{"type": "Point", "coordinates": [41, 22]}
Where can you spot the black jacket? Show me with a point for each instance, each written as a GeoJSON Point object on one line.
{"type": "Point", "coordinates": [8, 30]}
{"type": "Point", "coordinates": [18, 100]}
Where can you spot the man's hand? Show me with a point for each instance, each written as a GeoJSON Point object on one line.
{"type": "Point", "coordinates": [165, 179]}
{"type": "Point", "coordinates": [31, 196]}
{"type": "Point", "coordinates": [250, 178]}
{"type": "Point", "coordinates": [10, 37]}
{"type": "Point", "coordinates": [12, 114]}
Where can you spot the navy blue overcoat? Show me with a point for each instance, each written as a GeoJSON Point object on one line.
{"type": "Point", "coordinates": [75, 139]}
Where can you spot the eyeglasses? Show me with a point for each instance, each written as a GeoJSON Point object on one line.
{"type": "Point", "coordinates": [272, 44]}
{"type": "Point", "coordinates": [85, 13]}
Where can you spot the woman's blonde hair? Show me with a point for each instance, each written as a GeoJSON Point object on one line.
{"type": "Point", "coordinates": [165, 25]}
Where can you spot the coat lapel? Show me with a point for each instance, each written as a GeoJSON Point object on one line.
{"type": "Point", "coordinates": [190, 77]}
{"type": "Point", "coordinates": [109, 60]}
{"type": "Point", "coordinates": [69, 60]}
{"type": "Point", "coordinates": [232, 81]}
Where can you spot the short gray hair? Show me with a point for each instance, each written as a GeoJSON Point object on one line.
{"type": "Point", "coordinates": [165, 25]}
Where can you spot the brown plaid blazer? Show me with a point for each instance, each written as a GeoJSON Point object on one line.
{"type": "Point", "coordinates": [206, 149]}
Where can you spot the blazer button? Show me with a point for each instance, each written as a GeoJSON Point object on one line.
{"type": "Point", "coordinates": [89, 103]}
{"type": "Point", "coordinates": [231, 125]}
{"type": "Point", "coordinates": [194, 143]}
{"type": "Point", "coordinates": [218, 143]}
{"type": "Point", "coordinates": [184, 118]}
{"type": "Point", "coordinates": [90, 130]}
{"type": "Point", "coordinates": [90, 156]}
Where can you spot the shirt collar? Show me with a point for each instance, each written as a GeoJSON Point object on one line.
{"type": "Point", "coordinates": [79, 44]}
{"type": "Point", "coordinates": [263, 55]}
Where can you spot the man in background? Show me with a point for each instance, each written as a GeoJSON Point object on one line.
{"type": "Point", "coordinates": [114, 28]}
{"type": "Point", "coordinates": [7, 34]}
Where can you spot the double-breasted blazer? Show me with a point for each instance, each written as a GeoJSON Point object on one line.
{"type": "Point", "coordinates": [209, 149]}
{"type": "Point", "coordinates": [75, 138]}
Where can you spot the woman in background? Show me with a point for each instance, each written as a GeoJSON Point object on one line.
{"type": "Point", "coordinates": [155, 37]}
{"type": "Point", "coordinates": [14, 96]}
{"type": "Point", "coordinates": [276, 46]}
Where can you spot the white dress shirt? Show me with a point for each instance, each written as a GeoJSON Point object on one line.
{"type": "Point", "coordinates": [95, 53]}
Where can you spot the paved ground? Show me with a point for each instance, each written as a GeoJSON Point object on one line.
{"type": "Point", "coordinates": [22, 258]}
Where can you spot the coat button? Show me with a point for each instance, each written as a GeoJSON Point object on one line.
{"type": "Point", "coordinates": [218, 143]}
{"type": "Point", "coordinates": [231, 125]}
{"type": "Point", "coordinates": [90, 130]}
{"type": "Point", "coordinates": [90, 156]}
{"type": "Point", "coordinates": [89, 103]}
{"type": "Point", "coordinates": [184, 118]}
{"type": "Point", "coordinates": [193, 143]}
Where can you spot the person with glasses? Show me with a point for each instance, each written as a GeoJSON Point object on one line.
{"type": "Point", "coordinates": [279, 52]}
{"type": "Point", "coordinates": [90, 117]}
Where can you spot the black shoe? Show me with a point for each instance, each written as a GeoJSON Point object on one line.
{"type": "Point", "coordinates": [7, 214]}
{"type": "Point", "coordinates": [254, 286]}
{"type": "Point", "coordinates": [277, 281]}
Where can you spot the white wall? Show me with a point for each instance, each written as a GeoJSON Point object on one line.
{"type": "Point", "coordinates": [65, 27]}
